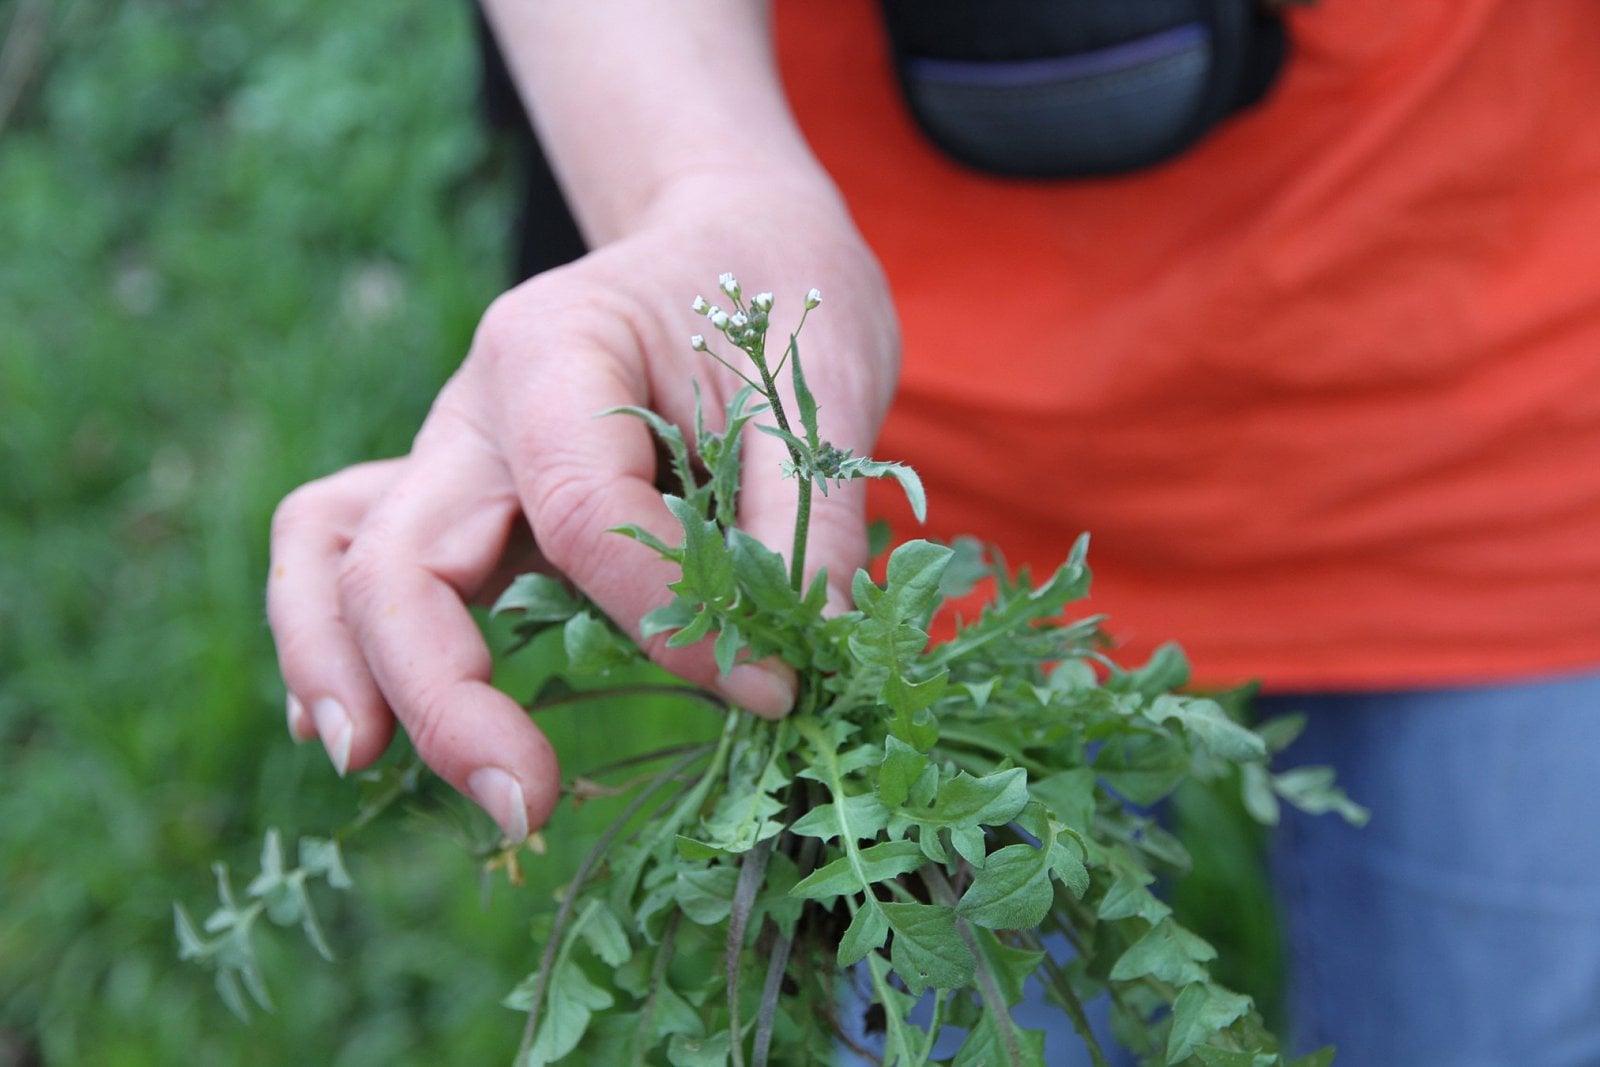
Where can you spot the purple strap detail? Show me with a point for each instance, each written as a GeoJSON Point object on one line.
{"type": "Point", "coordinates": [1020, 73]}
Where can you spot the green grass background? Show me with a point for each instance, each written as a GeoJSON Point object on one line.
{"type": "Point", "coordinates": [241, 246]}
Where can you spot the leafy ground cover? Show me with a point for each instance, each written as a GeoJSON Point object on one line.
{"type": "Point", "coordinates": [243, 247]}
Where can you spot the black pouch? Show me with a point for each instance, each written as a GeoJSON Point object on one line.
{"type": "Point", "coordinates": [1071, 88]}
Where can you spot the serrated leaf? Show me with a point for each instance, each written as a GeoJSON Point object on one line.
{"type": "Point", "coordinates": [1207, 723]}
{"type": "Point", "coordinates": [860, 816]}
{"type": "Point", "coordinates": [538, 598]}
{"type": "Point", "coordinates": [1200, 1011]}
{"type": "Point", "coordinates": [1167, 951]}
{"type": "Point", "coordinates": [866, 933]}
{"type": "Point", "coordinates": [902, 765]}
{"type": "Point", "coordinates": [851, 874]}
{"type": "Point", "coordinates": [763, 576]}
{"type": "Point", "coordinates": [992, 800]}
{"type": "Point", "coordinates": [707, 564]}
{"type": "Point", "coordinates": [1011, 892]}
{"type": "Point", "coordinates": [927, 950]}
{"type": "Point", "coordinates": [910, 483]}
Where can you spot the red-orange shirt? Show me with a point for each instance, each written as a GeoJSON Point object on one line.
{"type": "Point", "coordinates": [1325, 390]}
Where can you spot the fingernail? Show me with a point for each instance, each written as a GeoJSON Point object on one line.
{"type": "Point", "coordinates": [298, 726]}
{"type": "Point", "coordinates": [763, 691]}
{"type": "Point", "coordinates": [499, 794]}
{"type": "Point", "coordinates": [336, 730]}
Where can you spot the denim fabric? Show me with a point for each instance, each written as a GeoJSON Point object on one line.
{"type": "Point", "coordinates": [1461, 927]}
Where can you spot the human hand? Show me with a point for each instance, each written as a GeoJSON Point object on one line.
{"type": "Point", "coordinates": [373, 567]}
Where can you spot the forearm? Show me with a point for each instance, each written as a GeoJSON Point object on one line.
{"type": "Point", "coordinates": [635, 100]}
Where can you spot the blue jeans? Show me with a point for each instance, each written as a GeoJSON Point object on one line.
{"type": "Point", "coordinates": [1461, 927]}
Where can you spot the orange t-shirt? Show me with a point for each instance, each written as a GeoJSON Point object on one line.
{"type": "Point", "coordinates": [1325, 390]}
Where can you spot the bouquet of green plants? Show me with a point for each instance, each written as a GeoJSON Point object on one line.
{"type": "Point", "coordinates": [929, 818]}
{"type": "Point", "coordinates": [935, 825]}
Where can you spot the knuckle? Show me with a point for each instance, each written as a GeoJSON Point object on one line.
{"type": "Point", "coordinates": [565, 518]}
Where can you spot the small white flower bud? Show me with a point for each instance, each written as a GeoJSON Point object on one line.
{"type": "Point", "coordinates": [761, 301]}
{"type": "Point", "coordinates": [730, 285]}
{"type": "Point", "coordinates": [813, 298]}
{"type": "Point", "coordinates": [700, 307]}
{"type": "Point", "coordinates": [737, 321]}
{"type": "Point", "coordinates": [698, 343]}
{"type": "Point", "coordinates": [719, 318]}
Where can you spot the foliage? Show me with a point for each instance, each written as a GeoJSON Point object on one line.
{"type": "Point", "coordinates": [243, 248]}
{"type": "Point", "coordinates": [931, 815]}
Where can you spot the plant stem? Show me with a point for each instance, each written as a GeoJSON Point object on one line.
{"type": "Point", "coordinates": [569, 900]}
{"type": "Point", "coordinates": [802, 475]}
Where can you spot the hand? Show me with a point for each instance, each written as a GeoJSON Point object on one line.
{"type": "Point", "coordinates": [373, 567]}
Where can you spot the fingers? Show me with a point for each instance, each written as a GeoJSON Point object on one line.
{"type": "Point", "coordinates": [436, 534]}
{"type": "Point", "coordinates": [330, 688]}
{"type": "Point", "coordinates": [580, 477]}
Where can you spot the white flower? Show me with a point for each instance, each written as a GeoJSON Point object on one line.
{"type": "Point", "coordinates": [737, 321]}
{"type": "Point", "coordinates": [813, 298]}
{"type": "Point", "coordinates": [700, 307]}
{"type": "Point", "coordinates": [698, 343]}
{"type": "Point", "coordinates": [761, 301]}
{"type": "Point", "coordinates": [729, 284]}
{"type": "Point", "coordinates": [719, 318]}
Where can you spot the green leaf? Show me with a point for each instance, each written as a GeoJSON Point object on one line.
{"type": "Point", "coordinates": [603, 933]}
{"type": "Point", "coordinates": [1012, 891]}
{"type": "Point", "coordinates": [706, 895]}
{"type": "Point", "coordinates": [321, 856]}
{"type": "Point", "coordinates": [713, 1051]}
{"type": "Point", "coordinates": [1311, 789]}
{"type": "Point", "coordinates": [538, 598]}
{"type": "Point", "coordinates": [927, 950]}
{"type": "Point", "coordinates": [805, 401]}
{"type": "Point", "coordinates": [1200, 1011]}
{"type": "Point", "coordinates": [1255, 791]}
{"type": "Point", "coordinates": [762, 574]}
{"type": "Point", "coordinates": [571, 1000]}
{"type": "Point", "coordinates": [1128, 897]}
{"type": "Point", "coordinates": [1168, 952]}
{"type": "Point", "coordinates": [1167, 669]}
{"type": "Point", "coordinates": [850, 874]}
{"type": "Point", "coordinates": [593, 647]}
{"type": "Point", "coordinates": [866, 933]}
{"type": "Point", "coordinates": [649, 540]}
{"type": "Point", "coordinates": [901, 767]}
{"type": "Point", "coordinates": [1069, 795]}
{"type": "Point", "coordinates": [986, 1046]}
{"type": "Point", "coordinates": [727, 647]}
{"type": "Point", "coordinates": [1207, 723]}
{"type": "Point", "coordinates": [1211, 1056]}
{"type": "Point", "coordinates": [992, 800]}
{"type": "Point", "coordinates": [910, 483]}
{"type": "Point", "coordinates": [857, 817]}
{"type": "Point", "coordinates": [707, 563]}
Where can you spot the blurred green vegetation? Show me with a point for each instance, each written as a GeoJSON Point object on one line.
{"type": "Point", "coordinates": [244, 244]}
